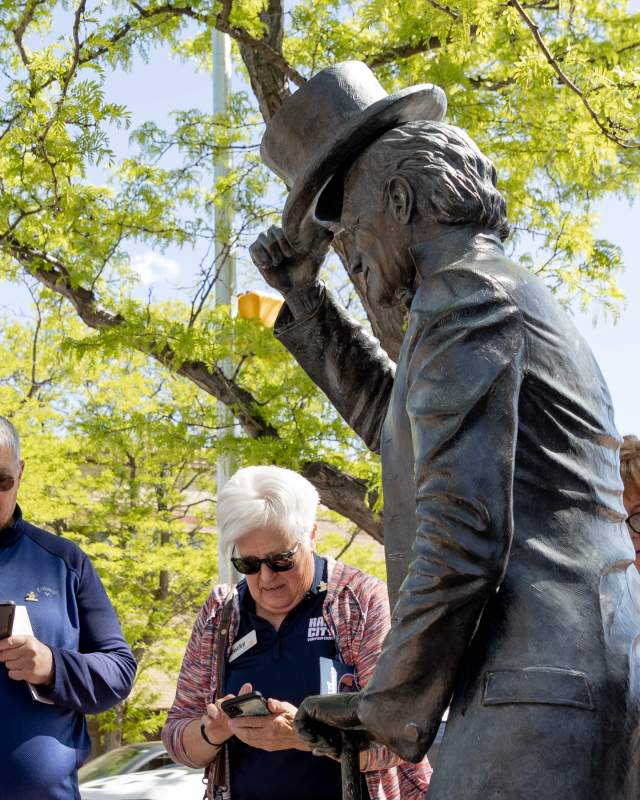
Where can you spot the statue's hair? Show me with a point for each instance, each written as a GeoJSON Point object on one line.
{"type": "Point", "coordinates": [454, 182]}
{"type": "Point", "coordinates": [630, 461]}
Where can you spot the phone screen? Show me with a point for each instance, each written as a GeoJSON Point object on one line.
{"type": "Point", "coordinates": [7, 612]}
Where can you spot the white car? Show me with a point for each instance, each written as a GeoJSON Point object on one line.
{"type": "Point", "coordinates": [139, 772]}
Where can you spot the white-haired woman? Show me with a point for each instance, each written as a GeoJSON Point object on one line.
{"type": "Point", "coordinates": [291, 609]}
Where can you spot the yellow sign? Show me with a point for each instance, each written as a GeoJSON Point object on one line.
{"type": "Point", "coordinates": [257, 305]}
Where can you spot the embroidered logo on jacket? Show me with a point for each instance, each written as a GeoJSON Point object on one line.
{"type": "Point", "coordinates": [45, 591]}
{"type": "Point", "coordinates": [318, 630]}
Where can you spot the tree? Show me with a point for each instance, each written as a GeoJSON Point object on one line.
{"type": "Point", "coordinates": [121, 458]}
{"type": "Point", "coordinates": [550, 91]}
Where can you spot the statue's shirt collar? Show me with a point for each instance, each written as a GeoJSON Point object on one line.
{"type": "Point", "coordinates": [453, 246]}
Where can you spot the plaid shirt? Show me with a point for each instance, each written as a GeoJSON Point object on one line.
{"type": "Point", "coordinates": [356, 610]}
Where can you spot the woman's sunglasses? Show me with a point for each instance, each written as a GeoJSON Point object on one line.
{"type": "Point", "coordinates": [633, 521]}
{"type": "Point", "coordinates": [7, 482]}
{"type": "Point", "coordinates": [278, 562]}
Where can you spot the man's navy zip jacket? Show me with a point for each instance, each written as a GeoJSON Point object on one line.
{"type": "Point", "coordinates": [41, 745]}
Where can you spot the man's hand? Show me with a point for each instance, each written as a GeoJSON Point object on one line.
{"type": "Point", "coordinates": [27, 659]}
{"type": "Point", "coordinates": [320, 720]}
{"type": "Point", "coordinates": [275, 732]}
{"type": "Point", "coordinates": [284, 268]}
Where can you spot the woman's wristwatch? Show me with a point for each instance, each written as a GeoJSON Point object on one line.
{"type": "Point", "coordinates": [203, 733]}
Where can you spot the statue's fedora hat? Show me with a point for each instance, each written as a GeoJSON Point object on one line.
{"type": "Point", "coordinates": [320, 130]}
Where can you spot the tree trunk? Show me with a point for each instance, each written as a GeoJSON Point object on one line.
{"type": "Point", "coordinates": [270, 88]}
{"type": "Point", "coordinates": [346, 495]}
{"type": "Point", "coordinates": [267, 81]}
{"type": "Point", "coordinates": [112, 739]}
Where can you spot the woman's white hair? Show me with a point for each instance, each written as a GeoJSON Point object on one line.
{"type": "Point", "coordinates": [9, 438]}
{"type": "Point", "coordinates": [266, 498]}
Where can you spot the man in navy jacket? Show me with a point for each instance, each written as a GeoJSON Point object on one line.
{"type": "Point", "coordinates": [77, 659]}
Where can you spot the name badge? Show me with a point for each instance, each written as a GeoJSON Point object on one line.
{"type": "Point", "coordinates": [242, 645]}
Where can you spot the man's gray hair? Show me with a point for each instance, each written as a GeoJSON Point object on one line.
{"type": "Point", "coordinates": [269, 499]}
{"type": "Point", "coordinates": [454, 182]}
{"type": "Point", "coordinates": [10, 438]}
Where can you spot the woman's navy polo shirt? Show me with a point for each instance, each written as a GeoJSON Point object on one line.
{"type": "Point", "coordinates": [283, 664]}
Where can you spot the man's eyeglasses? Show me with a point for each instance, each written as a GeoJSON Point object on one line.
{"type": "Point", "coordinates": [7, 482]}
{"type": "Point", "coordinates": [278, 562]}
{"type": "Point", "coordinates": [633, 521]}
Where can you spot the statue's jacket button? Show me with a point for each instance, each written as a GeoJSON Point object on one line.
{"type": "Point", "coordinates": [412, 732]}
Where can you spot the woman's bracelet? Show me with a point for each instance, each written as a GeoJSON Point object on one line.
{"type": "Point", "coordinates": [203, 733]}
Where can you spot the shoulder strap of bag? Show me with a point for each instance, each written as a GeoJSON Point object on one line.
{"type": "Point", "coordinates": [222, 637]}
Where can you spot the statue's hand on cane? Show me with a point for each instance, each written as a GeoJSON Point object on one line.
{"type": "Point", "coordinates": [321, 719]}
{"type": "Point", "coordinates": [331, 726]}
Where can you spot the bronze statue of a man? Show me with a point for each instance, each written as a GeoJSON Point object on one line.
{"type": "Point", "coordinates": [516, 598]}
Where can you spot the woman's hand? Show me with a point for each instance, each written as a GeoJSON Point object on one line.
{"type": "Point", "coordinates": [273, 732]}
{"type": "Point", "coordinates": [216, 722]}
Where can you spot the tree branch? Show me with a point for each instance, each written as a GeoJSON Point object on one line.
{"type": "Point", "coordinates": [352, 539]}
{"type": "Point", "coordinates": [340, 492]}
{"type": "Point", "coordinates": [21, 27]}
{"type": "Point", "coordinates": [403, 51]}
{"type": "Point", "coordinates": [35, 385]}
{"type": "Point", "coordinates": [345, 494]}
{"type": "Point", "coordinates": [564, 78]}
{"type": "Point", "coordinates": [266, 50]}
{"type": "Point", "coordinates": [56, 277]}
{"type": "Point", "coordinates": [268, 82]}
{"type": "Point", "coordinates": [241, 35]}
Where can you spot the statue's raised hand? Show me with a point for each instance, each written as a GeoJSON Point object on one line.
{"type": "Point", "coordinates": [285, 268]}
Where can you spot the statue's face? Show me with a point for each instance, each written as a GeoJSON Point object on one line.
{"type": "Point", "coordinates": [381, 243]}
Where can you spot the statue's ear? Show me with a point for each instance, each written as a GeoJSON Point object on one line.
{"type": "Point", "coordinates": [400, 198]}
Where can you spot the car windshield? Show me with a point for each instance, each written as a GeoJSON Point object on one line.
{"type": "Point", "coordinates": [112, 763]}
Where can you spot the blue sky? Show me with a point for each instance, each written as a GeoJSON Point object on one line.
{"type": "Point", "coordinates": [152, 89]}
{"type": "Point", "coordinates": [617, 346]}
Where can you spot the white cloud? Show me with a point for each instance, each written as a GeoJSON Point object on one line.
{"type": "Point", "coordinates": [153, 267]}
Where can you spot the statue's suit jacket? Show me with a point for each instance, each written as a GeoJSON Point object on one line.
{"type": "Point", "coordinates": [521, 604]}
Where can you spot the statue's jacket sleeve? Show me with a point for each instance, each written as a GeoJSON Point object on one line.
{"type": "Point", "coordinates": [459, 377]}
{"type": "Point", "coordinates": [343, 360]}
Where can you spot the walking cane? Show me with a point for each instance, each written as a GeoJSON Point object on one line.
{"type": "Point", "coordinates": [350, 768]}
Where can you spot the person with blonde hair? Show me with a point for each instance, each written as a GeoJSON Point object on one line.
{"type": "Point", "coordinates": [630, 472]}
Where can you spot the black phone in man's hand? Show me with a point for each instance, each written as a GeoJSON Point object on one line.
{"type": "Point", "coordinates": [7, 613]}
{"type": "Point", "coordinates": [251, 704]}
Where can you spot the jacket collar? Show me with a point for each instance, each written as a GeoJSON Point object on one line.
{"type": "Point", "coordinates": [452, 246]}
{"type": "Point", "coordinates": [10, 534]}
